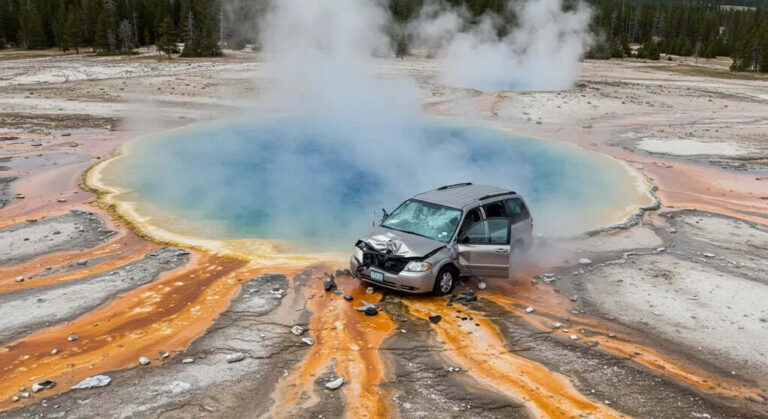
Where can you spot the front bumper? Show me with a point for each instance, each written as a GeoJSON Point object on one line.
{"type": "Point", "coordinates": [411, 282]}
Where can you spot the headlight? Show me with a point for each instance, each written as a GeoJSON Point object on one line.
{"type": "Point", "coordinates": [418, 266]}
{"type": "Point", "coordinates": [358, 254]}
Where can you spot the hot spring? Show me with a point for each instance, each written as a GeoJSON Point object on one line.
{"type": "Point", "coordinates": [316, 184]}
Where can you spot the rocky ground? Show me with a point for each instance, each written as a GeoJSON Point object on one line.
{"type": "Point", "coordinates": [665, 319]}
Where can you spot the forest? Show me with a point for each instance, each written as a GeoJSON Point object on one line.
{"type": "Point", "coordinates": [690, 28]}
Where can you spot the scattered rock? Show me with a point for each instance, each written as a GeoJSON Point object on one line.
{"type": "Point", "coordinates": [330, 284]}
{"type": "Point", "coordinates": [308, 341]}
{"type": "Point", "coordinates": [20, 279]}
{"type": "Point", "coordinates": [481, 285]}
{"type": "Point", "coordinates": [72, 337]}
{"type": "Point", "coordinates": [585, 261]}
{"type": "Point", "coordinates": [43, 385]}
{"type": "Point", "coordinates": [529, 309]}
{"type": "Point", "coordinates": [297, 330]}
{"type": "Point", "coordinates": [366, 305]}
{"type": "Point", "coordinates": [371, 311]}
{"type": "Point", "coordinates": [335, 384]}
{"type": "Point", "coordinates": [574, 298]}
{"type": "Point", "coordinates": [54, 351]}
{"type": "Point", "coordinates": [82, 262]}
{"type": "Point", "coordinates": [188, 360]}
{"type": "Point", "coordinates": [235, 357]}
{"type": "Point", "coordinates": [144, 361]}
{"type": "Point", "coordinates": [14, 399]}
{"type": "Point", "coordinates": [95, 381]}
{"type": "Point", "coordinates": [574, 337]}
{"type": "Point", "coordinates": [348, 297]}
{"type": "Point", "coordinates": [24, 395]}
{"type": "Point", "coordinates": [164, 355]}
{"type": "Point", "coordinates": [709, 255]}
{"type": "Point", "coordinates": [557, 325]}
{"type": "Point", "coordinates": [369, 290]}
{"type": "Point", "coordinates": [435, 319]}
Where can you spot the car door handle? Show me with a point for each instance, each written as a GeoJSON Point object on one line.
{"type": "Point", "coordinates": [502, 250]}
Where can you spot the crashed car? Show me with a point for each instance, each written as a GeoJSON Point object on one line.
{"type": "Point", "coordinates": [434, 238]}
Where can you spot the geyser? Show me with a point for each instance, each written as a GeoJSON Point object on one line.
{"type": "Point", "coordinates": [318, 184]}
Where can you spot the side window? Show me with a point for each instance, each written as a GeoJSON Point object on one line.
{"type": "Point", "coordinates": [516, 210]}
{"type": "Point", "coordinates": [473, 216]}
{"type": "Point", "coordinates": [488, 231]}
{"type": "Point", "coordinates": [495, 210]}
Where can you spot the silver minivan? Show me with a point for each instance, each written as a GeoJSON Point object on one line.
{"type": "Point", "coordinates": [432, 239]}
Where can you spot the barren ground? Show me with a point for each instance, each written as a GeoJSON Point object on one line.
{"type": "Point", "coordinates": [668, 320]}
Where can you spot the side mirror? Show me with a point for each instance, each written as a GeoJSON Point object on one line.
{"type": "Point", "coordinates": [384, 215]}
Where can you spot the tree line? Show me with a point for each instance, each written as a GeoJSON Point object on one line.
{"type": "Point", "coordinates": [700, 28]}
{"type": "Point", "coordinates": [112, 26]}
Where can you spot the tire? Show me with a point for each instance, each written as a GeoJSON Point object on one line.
{"type": "Point", "coordinates": [446, 273]}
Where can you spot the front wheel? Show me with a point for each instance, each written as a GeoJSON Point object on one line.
{"type": "Point", "coordinates": [445, 280]}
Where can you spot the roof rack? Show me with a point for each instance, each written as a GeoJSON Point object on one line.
{"type": "Point", "coordinates": [494, 195]}
{"type": "Point", "coordinates": [455, 185]}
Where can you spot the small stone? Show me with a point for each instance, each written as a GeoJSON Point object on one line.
{"type": "Point", "coordinates": [82, 262]}
{"type": "Point", "coordinates": [574, 337]}
{"type": "Point", "coordinates": [54, 351]}
{"type": "Point", "coordinates": [611, 335]}
{"type": "Point", "coordinates": [144, 361]}
{"type": "Point", "coordinates": [348, 297]}
{"type": "Point", "coordinates": [297, 330]}
{"type": "Point", "coordinates": [235, 357]}
{"type": "Point", "coordinates": [709, 255]}
{"type": "Point", "coordinates": [14, 399]}
{"type": "Point", "coordinates": [335, 384]}
{"type": "Point", "coordinates": [672, 230]}
{"type": "Point", "coordinates": [188, 360]}
{"type": "Point", "coordinates": [43, 385]}
{"type": "Point", "coordinates": [435, 319]}
{"type": "Point", "coordinates": [164, 355]}
{"type": "Point", "coordinates": [585, 261]}
{"type": "Point", "coordinates": [95, 381]}
{"type": "Point", "coordinates": [369, 290]}
{"type": "Point", "coordinates": [529, 309]}
{"type": "Point", "coordinates": [574, 298]}
{"type": "Point", "coordinates": [72, 337]}
{"type": "Point", "coordinates": [481, 285]}
{"type": "Point", "coordinates": [308, 341]}
{"type": "Point", "coordinates": [19, 279]}
{"type": "Point", "coordinates": [557, 325]}
{"type": "Point", "coordinates": [61, 200]}
{"type": "Point", "coordinates": [24, 395]}
{"type": "Point", "coordinates": [371, 311]}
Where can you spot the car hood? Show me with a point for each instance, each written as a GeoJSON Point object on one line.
{"type": "Point", "coordinates": [399, 243]}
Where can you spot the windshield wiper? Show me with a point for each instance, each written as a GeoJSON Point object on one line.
{"type": "Point", "coordinates": [412, 232]}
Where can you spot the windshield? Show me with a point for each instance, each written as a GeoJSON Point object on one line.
{"type": "Point", "coordinates": [425, 219]}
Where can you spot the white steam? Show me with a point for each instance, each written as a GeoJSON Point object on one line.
{"type": "Point", "coordinates": [542, 52]}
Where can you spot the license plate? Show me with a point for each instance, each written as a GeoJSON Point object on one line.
{"type": "Point", "coordinates": [377, 275]}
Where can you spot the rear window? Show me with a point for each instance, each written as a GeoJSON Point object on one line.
{"type": "Point", "coordinates": [516, 210]}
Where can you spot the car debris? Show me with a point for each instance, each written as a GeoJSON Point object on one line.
{"type": "Point", "coordinates": [308, 341]}
{"type": "Point", "coordinates": [297, 330]}
{"type": "Point", "coordinates": [330, 284]}
{"type": "Point", "coordinates": [466, 297]}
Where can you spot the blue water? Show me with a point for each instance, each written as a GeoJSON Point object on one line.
{"type": "Point", "coordinates": [318, 183]}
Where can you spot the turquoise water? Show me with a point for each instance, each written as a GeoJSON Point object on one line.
{"type": "Point", "coordinates": [318, 183]}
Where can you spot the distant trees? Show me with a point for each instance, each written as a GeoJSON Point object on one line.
{"type": "Point", "coordinates": [701, 28]}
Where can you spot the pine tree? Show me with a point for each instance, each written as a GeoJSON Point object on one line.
{"type": "Point", "coordinates": [73, 31]}
{"type": "Point", "coordinates": [31, 31]}
{"type": "Point", "coordinates": [167, 41]}
{"type": "Point", "coordinates": [100, 41]}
